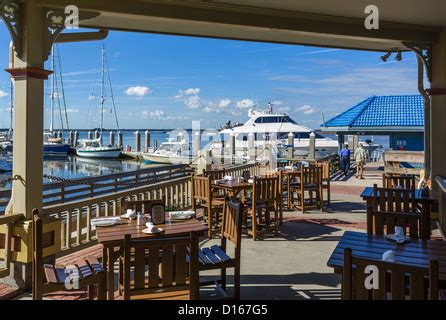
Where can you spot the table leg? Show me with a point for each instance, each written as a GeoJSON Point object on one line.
{"type": "Point", "coordinates": [370, 220]}
{"type": "Point", "coordinates": [111, 274]}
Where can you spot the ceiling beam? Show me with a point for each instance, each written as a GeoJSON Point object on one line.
{"type": "Point", "coordinates": [246, 16]}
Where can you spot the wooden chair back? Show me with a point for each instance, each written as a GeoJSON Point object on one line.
{"type": "Point", "coordinates": [325, 170]}
{"type": "Point", "coordinates": [265, 190]}
{"type": "Point", "coordinates": [232, 223]}
{"type": "Point", "coordinates": [391, 279]}
{"type": "Point", "coordinates": [393, 200]}
{"type": "Point", "coordinates": [310, 176]}
{"type": "Point", "coordinates": [200, 189]}
{"type": "Point", "coordinates": [399, 181]}
{"type": "Point", "coordinates": [143, 206]}
{"type": "Point", "coordinates": [214, 174]}
{"type": "Point", "coordinates": [390, 208]}
{"type": "Point", "coordinates": [172, 265]}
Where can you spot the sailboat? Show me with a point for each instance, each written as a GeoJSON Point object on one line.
{"type": "Point", "coordinates": [52, 144]}
{"type": "Point", "coordinates": [94, 148]}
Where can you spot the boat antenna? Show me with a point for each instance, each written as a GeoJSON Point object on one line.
{"type": "Point", "coordinates": [111, 91]}
{"type": "Point", "coordinates": [11, 88]}
{"type": "Point", "coordinates": [270, 107]}
{"type": "Point", "coordinates": [323, 118]}
{"type": "Point", "coordinates": [53, 81]}
{"type": "Point", "coordinates": [62, 88]}
{"type": "Point", "coordinates": [102, 86]}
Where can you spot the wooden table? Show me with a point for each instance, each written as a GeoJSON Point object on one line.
{"type": "Point", "coordinates": [415, 252]}
{"type": "Point", "coordinates": [113, 237]}
{"type": "Point", "coordinates": [426, 203]}
{"type": "Point", "coordinates": [233, 187]}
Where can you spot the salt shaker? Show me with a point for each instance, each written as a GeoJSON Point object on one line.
{"type": "Point", "coordinates": [140, 220]}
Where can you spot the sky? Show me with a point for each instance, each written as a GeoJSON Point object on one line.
{"type": "Point", "coordinates": [166, 82]}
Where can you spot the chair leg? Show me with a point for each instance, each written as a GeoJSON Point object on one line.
{"type": "Point", "coordinates": [90, 289]}
{"type": "Point", "coordinates": [223, 278]}
{"type": "Point", "coordinates": [101, 288]}
{"type": "Point", "coordinates": [120, 277]}
{"type": "Point", "coordinates": [237, 282]}
{"type": "Point", "coordinates": [210, 222]}
{"type": "Point", "coordinates": [254, 224]}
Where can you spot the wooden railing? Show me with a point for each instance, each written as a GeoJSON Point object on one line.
{"type": "Point", "coordinates": [75, 215]}
{"type": "Point", "coordinates": [237, 171]}
{"type": "Point", "coordinates": [5, 241]}
{"type": "Point", "coordinates": [403, 162]}
{"type": "Point", "coordinates": [81, 188]}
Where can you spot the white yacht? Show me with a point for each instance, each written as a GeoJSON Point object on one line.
{"type": "Point", "coordinates": [175, 151]}
{"type": "Point", "coordinates": [265, 126]}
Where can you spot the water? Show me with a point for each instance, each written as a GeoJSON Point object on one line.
{"type": "Point", "coordinates": [75, 167]}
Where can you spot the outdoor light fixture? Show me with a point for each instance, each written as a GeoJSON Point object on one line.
{"type": "Point", "coordinates": [399, 56]}
{"type": "Point", "coordinates": [386, 56]}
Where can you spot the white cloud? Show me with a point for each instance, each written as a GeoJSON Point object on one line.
{"type": "Point", "coordinates": [224, 103]}
{"type": "Point", "coordinates": [91, 97]}
{"type": "Point", "coordinates": [69, 110]}
{"type": "Point", "coordinates": [138, 91]}
{"type": "Point", "coordinates": [244, 104]}
{"type": "Point", "coordinates": [190, 91]}
{"type": "Point", "coordinates": [307, 109]}
{"type": "Point", "coordinates": [283, 109]}
{"type": "Point", "coordinates": [153, 115]}
{"type": "Point", "coordinates": [193, 102]}
{"type": "Point", "coordinates": [3, 94]}
{"type": "Point", "coordinates": [277, 102]}
{"type": "Point", "coordinates": [159, 115]}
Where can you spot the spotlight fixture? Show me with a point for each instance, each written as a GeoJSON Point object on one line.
{"type": "Point", "coordinates": [399, 56]}
{"type": "Point", "coordinates": [386, 56]}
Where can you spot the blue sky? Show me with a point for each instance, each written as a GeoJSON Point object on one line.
{"type": "Point", "coordinates": [162, 81]}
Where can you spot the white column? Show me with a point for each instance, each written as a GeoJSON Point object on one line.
{"type": "Point", "coordinates": [196, 147]}
{"type": "Point", "coordinates": [290, 145]}
{"type": "Point", "coordinates": [146, 140]}
{"type": "Point", "coordinates": [312, 147]}
{"type": "Point", "coordinates": [112, 138]}
{"type": "Point", "coordinates": [251, 147]}
{"type": "Point", "coordinates": [137, 141]}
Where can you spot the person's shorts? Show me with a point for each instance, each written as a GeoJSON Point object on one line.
{"type": "Point", "coordinates": [360, 163]}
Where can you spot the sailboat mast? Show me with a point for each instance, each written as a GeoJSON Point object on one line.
{"type": "Point", "coordinates": [53, 79]}
{"type": "Point", "coordinates": [11, 107]}
{"type": "Point", "coordinates": [102, 89]}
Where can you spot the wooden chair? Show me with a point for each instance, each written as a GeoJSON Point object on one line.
{"type": "Point", "coordinates": [325, 185]}
{"type": "Point", "coordinates": [399, 181]}
{"type": "Point", "coordinates": [49, 278]}
{"type": "Point", "coordinates": [216, 257]}
{"type": "Point", "coordinates": [389, 208]}
{"type": "Point", "coordinates": [310, 181]}
{"type": "Point", "coordinates": [204, 198]}
{"type": "Point", "coordinates": [392, 280]}
{"type": "Point", "coordinates": [167, 272]}
{"type": "Point", "coordinates": [265, 200]}
{"type": "Point", "coordinates": [143, 206]}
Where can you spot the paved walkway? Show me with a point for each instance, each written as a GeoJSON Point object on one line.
{"type": "Point", "coordinates": [349, 184]}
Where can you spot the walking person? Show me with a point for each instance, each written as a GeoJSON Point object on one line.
{"type": "Point", "coordinates": [344, 161]}
{"type": "Point", "coordinates": [360, 158]}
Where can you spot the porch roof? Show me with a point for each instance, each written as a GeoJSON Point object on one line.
{"type": "Point", "coordinates": [399, 113]}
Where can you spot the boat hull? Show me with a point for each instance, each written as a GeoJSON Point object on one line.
{"type": "Point", "coordinates": [154, 158]}
{"type": "Point", "coordinates": [99, 154]}
{"type": "Point", "coordinates": [48, 149]}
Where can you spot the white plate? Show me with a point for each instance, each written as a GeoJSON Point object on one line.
{"type": "Point", "coordinates": [146, 231]}
{"type": "Point", "coordinates": [391, 237]}
{"type": "Point", "coordinates": [106, 224]}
